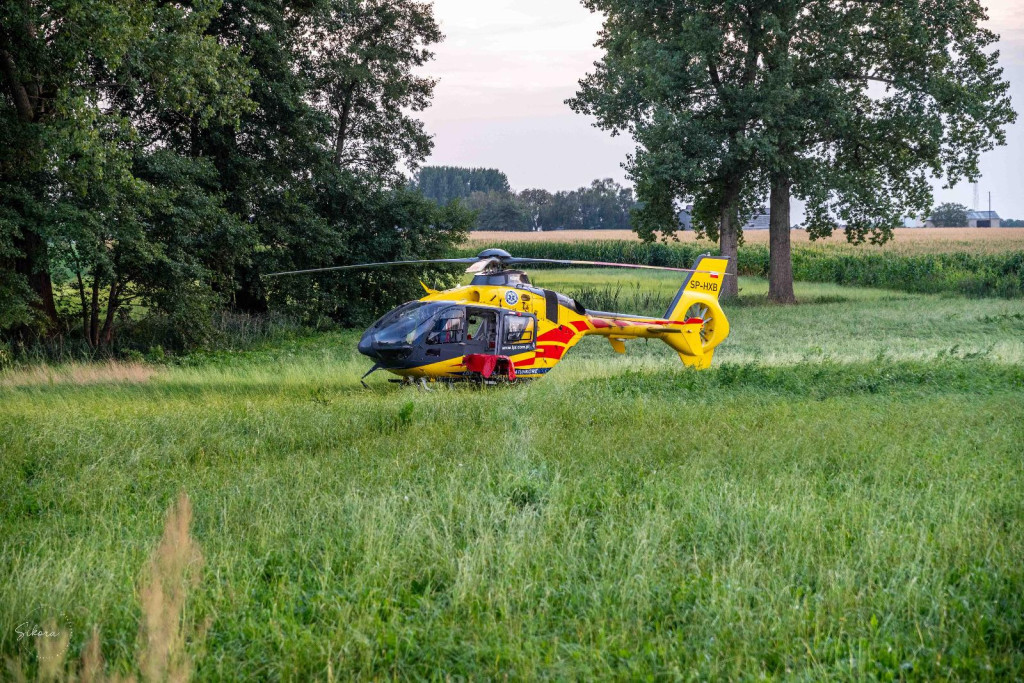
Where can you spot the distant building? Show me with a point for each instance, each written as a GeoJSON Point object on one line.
{"type": "Point", "coordinates": [983, 219]}
{"type": "Point", "coordinates": [686, 218]}
{"type": "Point", "coordinates": [759, 221]}
{"type": "Point", "coordinates": [975, 219]}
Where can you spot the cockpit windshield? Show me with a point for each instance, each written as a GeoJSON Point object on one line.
{"type": "Point", "coordinates": [407, 322]}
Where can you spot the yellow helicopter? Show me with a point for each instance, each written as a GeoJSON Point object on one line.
{"type": "Point", "coordinates": [501, 328]}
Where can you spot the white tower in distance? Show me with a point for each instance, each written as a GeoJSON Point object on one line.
{"type": "Point", "coordinates": [977, 197]}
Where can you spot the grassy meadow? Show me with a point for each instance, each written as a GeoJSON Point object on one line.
{"type": "Point", "coordinates": [841, 496]}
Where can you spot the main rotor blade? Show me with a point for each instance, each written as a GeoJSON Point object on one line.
{"type": "Point", "coordinates": [604, 264]}
{"type": "Point", "coordinates": [374, 265]}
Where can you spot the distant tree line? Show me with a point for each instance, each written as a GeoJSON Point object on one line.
{"type": "Point", "coordinates": [603, 205]}
{"type": "Point", "coordinates": [445, 183]}
{"type": "Point", "coordinates": [158, 159]}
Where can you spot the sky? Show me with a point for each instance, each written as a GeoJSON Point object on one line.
{"type": "Point", "coordinates": [506, 68]}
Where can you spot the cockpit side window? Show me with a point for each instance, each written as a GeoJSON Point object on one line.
{"type": "Point", "coordinates": [477, 324]}
{"type": "Point", "coordinates": [482, 328]}
{"type": "Point", "coordinates": [449, 327]}
{"type": "Point", "coordinates": [519, 330]}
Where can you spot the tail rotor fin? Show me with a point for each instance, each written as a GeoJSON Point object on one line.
{"type": "Point", "coordinates": [711, 273]}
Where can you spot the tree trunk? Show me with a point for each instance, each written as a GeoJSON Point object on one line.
{"type": "Point", "coordinates": [780, 260]}
{"type": "Point", "coordinates": [94, 314]}
{"type": "Point", "coordinates": [85, 306]}
{"type": "Point", "coordinates": [22, 103]}
{"type": "Point", "coordinates": [729, 239]}
{"type": "Point", "coordinates": [113, 302]}
{"type": "Point", "coordinates": [30, 245]}
{"type": "Point", "coordinates": [343, 115]}
{"type": "Point", "coordinates": [33, 250]}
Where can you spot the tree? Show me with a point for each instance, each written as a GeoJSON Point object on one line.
{"type": "Point", "coordinates": [605, 205]}
{"type": "Point", "coordinates": [90, 91]}
{"type": "Point", "coordinates": [906, 90]}
{"type": "Point", "coordinates": [360, 59]}
{"type": "Point", "coordinates": [305, 205]}
{"type": "Point", "coordinates": [535, 202]}
{"type": "Point", "coordinates": [678, 77]}
{"type": "Point", "coordinates": [731, 101]}
{"type": "Point", "coordinates": [498, 211]}
{"type": "Point", "coordinates": [446, 183]}
{"type": "Point", "coordinates": [563, 212]}
{"type": "Point", "coordinates": [169, 154]}
{"type": "Point", "coordinates": [950, 215]}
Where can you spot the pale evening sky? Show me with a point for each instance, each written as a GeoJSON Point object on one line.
{"type": "Point", "coordinates": [507, 66]}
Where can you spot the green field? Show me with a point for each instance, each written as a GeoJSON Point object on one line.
{"type": "Point", "coordinates": [841, 496]}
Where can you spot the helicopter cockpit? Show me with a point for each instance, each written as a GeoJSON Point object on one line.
{"type": "Point", "coordinates": [425, 331]}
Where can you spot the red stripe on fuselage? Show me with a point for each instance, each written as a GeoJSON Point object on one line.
{"type": "Point", "coordinates": [562, 335]}
{"type": "Point", "coordinates": [550, 351]}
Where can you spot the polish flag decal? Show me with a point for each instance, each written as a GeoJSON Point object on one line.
{"type": "Point", "coordinates": [714, 276]}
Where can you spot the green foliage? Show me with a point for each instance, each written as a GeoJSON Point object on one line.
{"type": "Point", "coordinates": [498, 211]}
{"type": "Point", "coordinates": [95, 98]}
{"type": "Point", "coordinates": [377, 225]}
{"type": "Point", "coordinates": [950, 215]}
{"type": "Point", "coordinates": [444, 184]}
{"type": "Point", "coordinates": [603, 205]}
{"type": "Point", "coordinates": [357, 63]}
{"type": "Point", "coordinates": [679, 80]}
{"type": "Point", "coordinates": [158, 159]}
{"type": "Point", "coordinates": [311, 204]}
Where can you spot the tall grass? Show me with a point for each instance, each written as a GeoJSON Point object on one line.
{"type": "Point", "coordinates": [151, 339]}
{"type": "Point", "coordinates": [166, 633]}
{"type": "Point", "coordinates": [972, 274]}
{"type": "Point", "coordinates": [622, 298]}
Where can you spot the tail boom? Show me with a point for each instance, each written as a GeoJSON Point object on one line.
{"type": "Point", "coordinates": [693, 326]}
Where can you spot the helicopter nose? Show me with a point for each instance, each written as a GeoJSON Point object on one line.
{"type": "Point", "coordinates": [381, 351]}
{"type": "Point", "coordinates": [367, 347]}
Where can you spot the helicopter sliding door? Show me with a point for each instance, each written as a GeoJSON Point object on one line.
{"type": "Point", "coordinates": [518, 333]}
{"type": "Point", "coordinates": [481, 331]}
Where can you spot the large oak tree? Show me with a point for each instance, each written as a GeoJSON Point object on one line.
{"type": "Point", "coordinates": [848, 105]}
